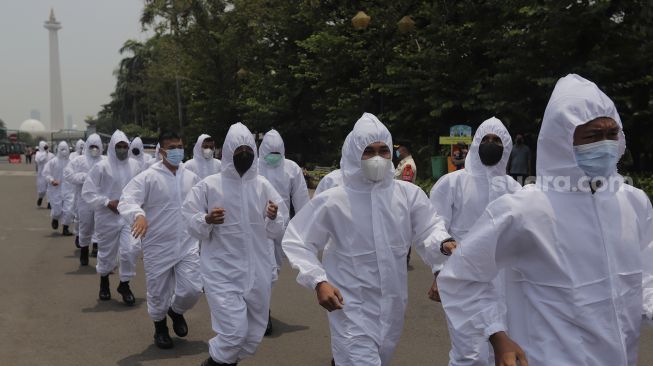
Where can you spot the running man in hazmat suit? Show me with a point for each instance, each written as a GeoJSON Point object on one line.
{"type": "Point", "coordinates": [369, 223]}
{"type": "Point", "coordinates": [59, 193]}
{"type": "Point", "coordinates": [75, 174]}
{"type": "Point", "coordinates": [42, 156]}
{"type": "Point", "coordinates": [460, 198]}
{"type": "Point", "coordinates": [151, 203]}
{"type": "Point", "coordinates": [576, 248]}
{"type": "Point", "coordinates": [203, 162]}
{"type": "Point", "coordinates": [102, 189]}
{"type": "Point", "coordinates": [234, 213]}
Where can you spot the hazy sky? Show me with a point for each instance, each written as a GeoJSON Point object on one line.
{"type": "Point", "coordinates": [93, 32]}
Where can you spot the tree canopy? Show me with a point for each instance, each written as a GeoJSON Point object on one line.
{"type": "Point", "coordinates": [302, 68]}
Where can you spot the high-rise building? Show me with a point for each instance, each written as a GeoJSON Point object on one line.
{"type": "Point", "coordinates": [56, 98]}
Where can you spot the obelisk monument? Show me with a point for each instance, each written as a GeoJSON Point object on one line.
{"type": "Point", "coordinates": [56, 99]}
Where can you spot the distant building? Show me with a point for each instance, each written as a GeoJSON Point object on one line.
{"type": "Point", "coordinates": [35, 114]}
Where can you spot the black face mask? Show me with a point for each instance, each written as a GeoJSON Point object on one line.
{"type": "Point", "coordinates": [243, 161]}
{"type": "Point", "coordinates": [490, 153]}
{"type": "Point", "coordinates": [136, 152]}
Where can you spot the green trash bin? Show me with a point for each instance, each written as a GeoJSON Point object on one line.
{"type": "Point", "coordinates": [438, 166]}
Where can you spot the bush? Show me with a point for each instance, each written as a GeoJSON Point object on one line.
{"type": "Point", "coordinates": [643, 181]}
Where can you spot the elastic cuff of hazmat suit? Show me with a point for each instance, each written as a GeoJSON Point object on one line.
{"type": "Point", "coordinates": [494, 328]}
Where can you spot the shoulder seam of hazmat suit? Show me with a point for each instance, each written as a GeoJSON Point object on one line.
{"type": "Point", "coordinates": [368, 130]}
{"type": "Point", "coordinates": [473, 164]}
{"type": "Point", "coordinates": [555, 153]}
{"type": "Point", "coordinates": [238, 135]}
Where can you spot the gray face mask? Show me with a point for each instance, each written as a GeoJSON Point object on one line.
{"type": "Point", "coordinates": [122, 153]}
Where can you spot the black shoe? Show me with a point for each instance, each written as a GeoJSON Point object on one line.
{"type": "Point", "coordinates": [39, 201]}
{"type": "Point", "coordinates": [333, 362]}
{"type": "Point", "coordinates": [49, 207]}
{"type": "Point", "coordinates": [65, 231]}
{"type": "Point", "coordinates": [55, 224]}
{"type": "Point", "coordinates": [83, 256]}
{"type": "Point", "coordinates": [126, 292]}
{"type": "Point", "coordinates": [77, 242]}
{"type": "Point", "coordinates": [209, 362]}
{"type": "Point", "coordinates": [105, 292]}
{"type": "Point", "coordinates": [161, 336]}
{"type": "Point", "coordinates": [178, 323]}
{"type": "Point", "coordinates": [268, 328]}
{"type": "Point", "coordinates": [94, 251]}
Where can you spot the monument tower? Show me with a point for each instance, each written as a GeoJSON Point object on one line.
{"type": "Point", "coordinates": [56, 99]}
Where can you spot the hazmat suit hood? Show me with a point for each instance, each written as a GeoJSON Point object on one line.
{"type": "Point", "coordinates": [473, 163]}
{"type": "Point", "coordinates": [197, 150]}
{"type": "Point", "coordinates": [136, 143]}
{"type": "Point", "coordinates": [272, 142]}
{"type": "Point", "coordinates": [93, 140]}
{"type": "Point", "coordinates": [156, 152]}
{"type": "Point", "coordinates": [41, 148]}
{"type": "Point", "coordinates": [79, 145]}
{"type": "Point", "coordinates": [368, 129]}
{"type": "Point", "coordinates": [117, 137]}
{"type": "Point", "coordinates": [574, 101]}
{"type": "Point", "coordinates": [238, 135]}
{"type": "Point", "coordinates": [61, 149]}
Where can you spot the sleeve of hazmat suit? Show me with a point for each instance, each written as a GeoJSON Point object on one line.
{"type": "Point", "coordinates": [133, 196]}
{"type": "Point", "coordinates": [72, 174]}
{"type": "Point", "coordinates": [647, 260]}
{"type": "Point", "coordinates": [195, 210]}
{"type": "Point", "coordinates": [299, 190]}
{"type": "Point", "coordinates": [91, 192]}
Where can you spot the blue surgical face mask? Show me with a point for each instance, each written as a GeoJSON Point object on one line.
{"type": "Point", "coordinates": [273, 159]}
{"type": "Point", "coordinates": [175, 156]}
{"type": "Point", "coordinates": [598, 159]}
{"type": "Point", "coordinates": [397, 154]}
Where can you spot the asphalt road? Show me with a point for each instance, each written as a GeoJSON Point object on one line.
{"type": "Point", "coordinates": [50, 315]}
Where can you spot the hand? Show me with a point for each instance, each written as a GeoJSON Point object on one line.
{"type": "Point", "coordinates": [449, 246]}
{"type": "Point", "coordinates": [434, 294]}
{"type": "Point", "coordinates": [271, 210]}
{"type": "Point", "coordinates": [55, 182]}
{"type": "Point", "coordinates": [506, 351]}
{"type": "Point", "coordinates": [113, 206]}
{"type": "Point", "coordinates": [216, 216]}
{"type": "Point", "coordinates": [329, 297]}
{"type": "Point", "coordinates": [139, 228]}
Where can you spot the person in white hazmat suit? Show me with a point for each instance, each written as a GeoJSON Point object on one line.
{"type": "Point", "coordinates": [151, 203]}
{"type": "Point", "coordinates": [75, 174]}
{"type": "Point", "coordinates": [333, 179]}
{"type": "Point", "coordinates": [577, 248]}
{"type": "Point", "coordinates": [234, 213]}
{"type": "Point", "coordinates": [369, 224]}
{"type": "Point", "coordinates": [203, 162]}
{"type": "Point", "coordinates": [59, 193]}
{"type": "Point", "coordinates": [136, 153]}
{"type": "Point", "coordinates": [156, 157]}
{"type": "Point", "coordinates": [42, 156]}
{"type": "Point", "coordinates": [460, 198]}
{"type": "Point", "coordinates": [102, 189]}
{"type": "Point", "coordinates": [79, 150]}
{"type": "Point", "coordinates": [288, 179]}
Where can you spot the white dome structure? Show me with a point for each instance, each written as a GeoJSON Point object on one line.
{"type": "Point", "coordinates": [32, 126]}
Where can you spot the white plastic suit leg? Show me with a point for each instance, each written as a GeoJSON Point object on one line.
{"type": "Point", "coordinates": [188, 283]}
{"type": "Point", "coordinates": [468, 352]}
{"type": "Point", "coordinates": [239, 322]}
{"type": "Point", "coordinates": [129, 249]}
{"type": "Point", "coordinates": [56, 209]}
{"type": "Point", "coordinates": [68, 213]}
{"type": "Point", "coordinates": [160, 286]}
{"type": "Point", "coordinates": [41, 186]}
{"type": "Point", "coordinates": [108, 246]}
{"type": "Point", "coordinates": [86, 226]}
{"type": "Point", "coordinates": [350, 345]}
{"type": "Point", "coordinates": [278, 258]}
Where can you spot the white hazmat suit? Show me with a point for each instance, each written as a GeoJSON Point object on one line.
{"type": "Point", "coordinates": [170, 255]}
{"type": "Point", "coordinates": [369, 227]}
{"type": "Point", "coordinates": [61, 195]}
{"type": "Point", "coordinates": [41, 158]}
{"type": "Point", "coordinates": [575, 262]}
{"type": "Point", "coordinates": [236, 258]}
{"type": "Point", "coordinates": [104, 183]}
{"type": "Point", "coordinates": [286, 177]}
{"type": "Point", "coordinates": [79, 150]}
{"type": "Point", "coordinates": [75, 174]}
{"type": "Point", "coordinates": [333, 179]}
{"type": "Point", "coordinates": [143, 159]}
{"type": "Point", "coordinates": [460, 198]}
{"type": "Point", "coordinates": [201, 165]}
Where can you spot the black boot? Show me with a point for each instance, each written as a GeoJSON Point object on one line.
{"type": "Point", "coordinates": [55, 224]}
{"type": "Point", "coordinates": [77, 242]}
{"type": "Point", "coordinates": [268, 328]}
{"type": "Point", "coordinates": [65, 231]}
{"type": "Point", "coordinates": [161, 336]}
{"type": "Point", "coordinates": [49, 207]}
{"type": "Point", "coordinates": [333, 362]}
{"type": "Point", "coordinates": [209, 362]}
{"type": "Point", "coordinates": [94, 251]}
{"type": "Point", "coordinates": [178, 323]}
{"type": "Point", "coordinates": [105, 292]}
{"type": "Point", "coordinates": [83, 256]}
{"type": "Point", "coordinates": [126, 292]}
{"type": "Point", "coordinates": [39, 201]}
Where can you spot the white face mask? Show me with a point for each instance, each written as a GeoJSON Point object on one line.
{"type": "Point", "coordinates": [207, 153]}
{"type": "Point", "coordinates": [65, 153]}
{"type": "Point", "coordinates": [375, 168]}
{"type": "Point", "coordinates": [94, 151]}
